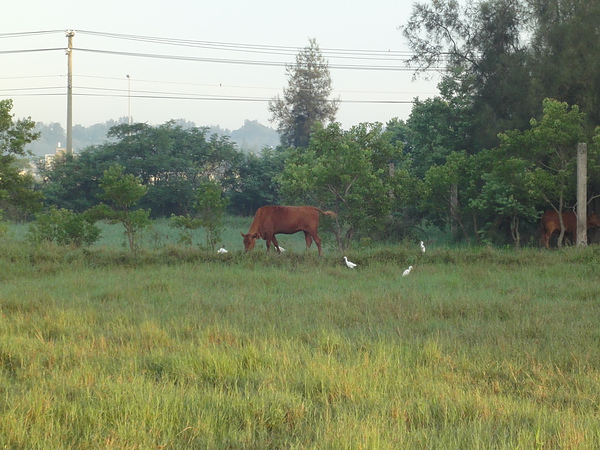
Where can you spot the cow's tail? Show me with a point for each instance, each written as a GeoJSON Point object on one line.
{"type": "Point", "coordinates": [327, 213]}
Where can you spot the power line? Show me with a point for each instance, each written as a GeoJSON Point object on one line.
{"type": "Point", "coordinates": [389, 57]}
{"type": "Point", "coordinates": [338, 54]}
{"type": "Point", "coordinates": [236, 61]}
{"type": "Point", "coordinates": [121, 93]}
{"type": "Point", "coordinates": [335, 53]}
{"type": "Point", "coordinates": [269, 49]}
{"type": "Point", "coordinates": [28, 33]}
{"type": "Point", "coordinates": [227, 86]}
{"type": "Point", "coordinates": [32, 50]}
{"type": "Point", "coordinates": [25, 77]}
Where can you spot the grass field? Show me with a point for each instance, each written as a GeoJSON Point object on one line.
{"type": "Point", "coordinates": [179, 348]}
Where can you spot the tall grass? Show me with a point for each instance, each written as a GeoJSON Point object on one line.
{"type": "Point", "coordinates": [179, 348]}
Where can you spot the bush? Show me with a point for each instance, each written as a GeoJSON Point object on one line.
{"type": "Point", "coordinates": [3, 226]}
{"type": "Point", "coordinates": [63, 227]}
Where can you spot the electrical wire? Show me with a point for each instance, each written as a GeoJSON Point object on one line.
{"type": "Point", "coordinates": [268, 49]}
{"type": "Point", "coordinates": [371, 55]}
{"type": "Point", "coordinates": [32, 50]}
{"type": "Point", "coordinates": [28, 33]}
{"type": "Point", "coordinates": [233, 61]}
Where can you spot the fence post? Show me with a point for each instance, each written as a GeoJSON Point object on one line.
{"type": "Point", "coordinates": [581, 195]}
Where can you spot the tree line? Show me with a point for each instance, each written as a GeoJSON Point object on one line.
{"type": "Point", "coordinates": [250, 137]}
{"type": "Point", "coordinates": [482, 160]}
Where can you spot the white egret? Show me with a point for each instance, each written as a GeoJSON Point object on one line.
{"type": "Point", "coordinates": [407, 271]}
{"type": "Point", "coordinates": [349, 263]}
{"type": "Point", "coordinates": [422, 247]}
{"type": "Point", "coordinates": [222, 250]}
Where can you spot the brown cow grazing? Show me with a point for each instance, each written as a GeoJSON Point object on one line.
{"type": "Point", "coordinates": [551, 225]}
{"type": "Point", "coordinates": [271, 220]}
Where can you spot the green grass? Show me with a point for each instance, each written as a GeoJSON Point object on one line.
{"type": "Point", "coordinates": [179, 348]}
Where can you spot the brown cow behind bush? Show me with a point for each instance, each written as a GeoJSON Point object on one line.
{"type": "Point", "coordinates": [551, 225]}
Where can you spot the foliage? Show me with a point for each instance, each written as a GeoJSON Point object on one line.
{"type": "Point", "coordinates": [479, 44]}
{"type": "Point", "coordinates": [306, 99]}
{"type": "Point", "coordinates": [508, 193]}
{"type": "Point", "coordinates": [564, 46]}
{"type": "Point", "coordinates": [63, 227]}
{"type": "Point", "coordinates": [123, 192]}
{"type": "Point", "coordinates": [16, 188]}
{"type": "Point", "coordinates": [256, 184]}
{"type": "Point", "coordinates": [442, 185]}
{"type": "Point", "coordinates": [71, 180]}
{"type": "Point", "coordinates": [210, 207]}
{"type": "Point", "coordinates": [187, 224]}
{"type": "Point", "coordinates": [3, 226]}
{"type": "Point", "coordinates": [209, 211]}
{"type": "Point", "coordinates": [437, 127]}
{"type": "Point", "coordinates": [171, 161]}
{"type": "Point", "coordinates": [538, 166]}
{"type": "Point", "coordinates": [550, 147]}
{"type": "Point", "coordinates": [347, 172]}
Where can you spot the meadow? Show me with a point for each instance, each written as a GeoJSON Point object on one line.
{"type": "Point", "coordinates": [178, 347]}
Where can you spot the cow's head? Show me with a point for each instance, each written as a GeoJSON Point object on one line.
{"type": "Point", "coordinates": [249, 240]}
{"type": "Point", "coordinates": [593, 221]}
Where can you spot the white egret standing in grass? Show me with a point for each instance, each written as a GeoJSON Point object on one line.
{"type": "Point", "coordinates": [422, 247]}
{"type": "Point", "coordinates": [349, 263]}
{"type": "Point", "coordinates": [407, 271]}
{"type": "Point", "coordinates": [222, 250]}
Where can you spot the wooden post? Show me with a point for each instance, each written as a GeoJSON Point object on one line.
{"type": "Point", "coordinates": [581, 195]}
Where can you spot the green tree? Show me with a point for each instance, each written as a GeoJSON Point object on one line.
{"type": "Point", "coordinates": [508, 194]}
{"type": "Point", "coordinates": [550, 145]}
{"type": "Point", "coordinates": [71, 180]}
{"type": "Point", "coordinates": [445, 194]}
{"type": "Point", "coordinates": [123, 192]}
{"type": "Point", "coordinates": [480, 45]}
{"type": "Point", "coordinates": [208, 212]}
{"type": "Point", "coordinates": [306, 99]}
{"type": "Point", "coordinates": [16, 187]}
{"type": "Point", "coordinates": [437, 127]}
{"type": "Point", "coordinates": [565, 47]}
{"type": "Point", "coordinates": [255, 184]}
{"type": "Point", "coordinates": [171, 161]}
{"type": "Point", "coordinates": [347, 172]}
{"type": "Point", "coordinates": [210, 207]}
{"type": "Point", "coordinates": [187, 223]}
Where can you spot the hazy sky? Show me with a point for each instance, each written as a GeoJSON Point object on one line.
{"type": "Point", "coordinates": [267, 34]}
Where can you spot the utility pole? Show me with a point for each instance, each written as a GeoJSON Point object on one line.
{"type": "Point", "coordinates": [129, 100]}
{"type": "Point", "coordinates": [70, 34]}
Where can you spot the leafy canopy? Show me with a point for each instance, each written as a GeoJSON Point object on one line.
{"type": "Point", "coordinates": [16, 187]}
{"type": "Point", "coordinates": [347, 172]}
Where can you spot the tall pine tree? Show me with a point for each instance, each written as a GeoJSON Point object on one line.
{"type": "Point", "coordinates": [306, 99]}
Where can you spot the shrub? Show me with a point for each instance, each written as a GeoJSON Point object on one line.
{"type": "Point", "coordinates": [63, 227]}
{"type": "Point", "coordinates": [187, 225]}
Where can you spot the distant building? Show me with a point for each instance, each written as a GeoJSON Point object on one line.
{"type": "Point", "coordinates": [49, 157]}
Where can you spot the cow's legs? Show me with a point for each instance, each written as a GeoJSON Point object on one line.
{"type": "Point", "coordinates": [317, 240]}
{"type": "Point", "coordinates": [546, 239]}
{"type": "Point", "coordinates": [308, 239]}
{"type": "Point", "coordinates": [268, 239]}
{"type": "Point", "coordinates": [274, 239]}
